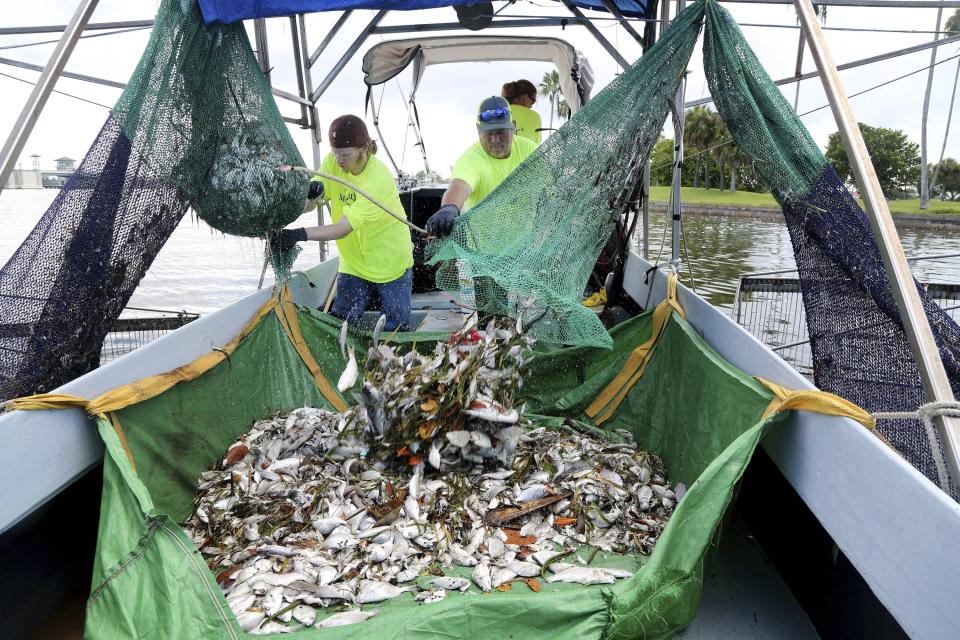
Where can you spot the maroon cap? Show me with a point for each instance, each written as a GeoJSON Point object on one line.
{"type": "Point", "coordinates": [348, 131]}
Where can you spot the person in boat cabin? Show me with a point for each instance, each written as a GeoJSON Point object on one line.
{"type": "Point", "coordinates": [376, 252]}
{"type": "Point", "coordinates": [484, 165]}
{"type": "Point", "coordinates": [521, 94]}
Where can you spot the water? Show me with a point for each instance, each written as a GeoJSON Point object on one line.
{"type": "Point", "coordinates": [200, 270]}
{"type": "Point", "coordinates": [721, 248]}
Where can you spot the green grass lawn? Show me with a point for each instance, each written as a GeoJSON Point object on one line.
{"type": "Point", "coordinates": [690, 195]}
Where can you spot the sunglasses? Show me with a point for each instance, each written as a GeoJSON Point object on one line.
{"type": "Point", "coordinates": [493, 114]}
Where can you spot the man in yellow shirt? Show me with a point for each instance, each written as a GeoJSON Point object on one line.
{"type": "Point", "coordinates": [484, 165]}
{"type": "Point", "coordinates": [376, 253]}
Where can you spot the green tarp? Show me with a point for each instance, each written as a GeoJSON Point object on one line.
{"type": "Point", "coordinates": [691, 407]}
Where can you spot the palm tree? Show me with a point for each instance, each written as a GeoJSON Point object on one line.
{"type": "Point", "coordinates": [550, 87]}
{"type": "Point", "coordinates": [952, 26]}
{"type": "Point", "coordinates": [924, 186]}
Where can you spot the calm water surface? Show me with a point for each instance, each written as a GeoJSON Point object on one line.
{"type": "Point", "coordinates": [201, 270]}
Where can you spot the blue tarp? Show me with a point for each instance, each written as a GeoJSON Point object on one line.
{"type": "Point", "coordinates": [227, 11]}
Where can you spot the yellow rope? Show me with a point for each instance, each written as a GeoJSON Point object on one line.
{"type": "Point", "coordinates": [610, 399]}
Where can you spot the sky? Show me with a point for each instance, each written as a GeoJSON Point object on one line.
{"type": "Point", "coordinates": [448, 95]}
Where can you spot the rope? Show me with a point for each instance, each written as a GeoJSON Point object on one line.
{"type": "Point", "coordinates": [349, 185]}
{"type": "Point", "coordinates": [926, 413]}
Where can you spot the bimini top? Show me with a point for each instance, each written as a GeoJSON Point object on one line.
{"type": "Point", "coordinates": [387, 59]}
{"type": "Point", "coordinates": [227, 11]}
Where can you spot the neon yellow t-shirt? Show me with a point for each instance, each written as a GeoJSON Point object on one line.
{"type": "Point", "coordinates": [528, 121]}
{"type": "Point", "coordinates": [379, 248]}
{"type": "Point", "coordinates": [483, 173]}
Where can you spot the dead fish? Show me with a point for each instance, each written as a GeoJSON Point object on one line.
{"type": "Point", "coordinates": [305, 615]}
{"type": "Point", "coordinates": [524, 569]}
{"type": "Point", "coordinates": [451, 583]}
{"type": "Point", "coordinates": [375, 591]}
{"type": "Point", "coordinates": [346, 617]}
{"type": "Point", "coordinates": [501, 576]}
{"type": "Point", "coordinates": [434, 595]}
{"type": "Point", "coordinates": [481, 576]}
{"type": "Point", "coordinates": [349, 376]}
{"type": "Point", "coordinates": [583, 575]}
{"type": "Point", "coordinates": [381, 323]}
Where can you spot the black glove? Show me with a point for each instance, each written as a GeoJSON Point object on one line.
{"type": "Point", "coordinates": [287, 239]}
{"type": "Point", "coordinates": [315, 190]}
{"type": "Point", "coordinates": [441, 223]}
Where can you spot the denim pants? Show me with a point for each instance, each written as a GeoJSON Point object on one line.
{"type": "Point", "coordinates": [353, 298]}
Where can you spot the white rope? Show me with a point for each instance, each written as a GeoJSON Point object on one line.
{"type": "Point", "coordinates": [926, 413]}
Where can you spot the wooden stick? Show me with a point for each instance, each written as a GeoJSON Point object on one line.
{"type": "Point", "coordinates": [287, 167]}
{"type": "Point", "coordinates": [333, 292]}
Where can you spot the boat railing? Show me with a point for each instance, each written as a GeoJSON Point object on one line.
{"type": "Point", "coordinates": [139, 327]}
{"type": "Point", "coordinates": [769, 304]}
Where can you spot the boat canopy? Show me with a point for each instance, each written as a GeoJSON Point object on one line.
{"type": "Point", "coordinates": [227, 11]}
{"type": "Point", "coordinates": [387, 59]}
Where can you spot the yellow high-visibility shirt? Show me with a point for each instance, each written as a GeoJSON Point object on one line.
{"type": "Point", "coordinates": [379, 248]}
{"type": "Point", "coordinates": [483, 172]}
{"type": "Point", "coordinates": [528, 121]}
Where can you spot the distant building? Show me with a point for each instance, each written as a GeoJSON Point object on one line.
{"type": "Point", "coordinates": [21, 178]}
{"type": "Point", "coordinates": [58, 178]}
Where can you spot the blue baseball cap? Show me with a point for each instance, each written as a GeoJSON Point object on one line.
{"type": "Point", "coordinates": [493, 114]}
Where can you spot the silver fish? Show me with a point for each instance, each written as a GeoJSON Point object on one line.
{"type": "Point", "coordinates": [346, 617]}
{"type": "Point", "coordinates": [451, 583]}
{"type": "Point", "coordinates": [349, 376]}
{"type": "Point", "coordinates": [375, 591]}
{"type": "Point", "coordinates": [583, 575]}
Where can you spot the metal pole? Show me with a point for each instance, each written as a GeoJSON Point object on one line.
{"type": "Point", "coordinates": [41, 91]}
{"type": "Point", "coordinates": [345, 58]}
{"type": "Point", "coordinates": [66, 74]}
{"type": "Point", "coordinates": [298, 64]}
{"type": "Point", "coordinates": [597, 35]}
{"type": "Point", "coordinates": [308, 89]}
{"type": "Point", "coordinates": [615, 12]}
{"type": "Point", "coordinates": [936, 385]}
{"type": "Point", "coordinates": [850, 65]}
{"type": "Point", "coordinates": [329, 37]}
{"type": "Point", "coordinates": [57, 28]}
{"type": "Point", "coordinates": [263, 53]}
{"type": "Point", "coordinates": [677, 161]}
{"type": "Point", "coordinates": [646, 211]}
{"type": "Point", "coordinates": [798, 71]}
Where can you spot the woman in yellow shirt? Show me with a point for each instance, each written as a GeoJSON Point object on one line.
{"type": "Point", "coordinates": [376, 252]}
{"type": "Point", "coordinates": [521, 94]}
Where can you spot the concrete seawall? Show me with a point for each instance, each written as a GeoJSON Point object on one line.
{"type": "Point", "coordinates": [766, 213]}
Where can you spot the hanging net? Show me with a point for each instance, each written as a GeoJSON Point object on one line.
{"type": "Point", "coordinates": [860, 351]}
{"type": "Point", "coordinates": [528, 248]}
{"type": "Point", "coordinates": [195, 127]}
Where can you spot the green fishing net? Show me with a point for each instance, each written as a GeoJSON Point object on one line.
{"type": "Point", "coordinates": [527, 250]}
{"type": "Point", "coordinates": [216, 130]}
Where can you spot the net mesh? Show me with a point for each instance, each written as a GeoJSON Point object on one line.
{"type": "Point", "coordinates": [528, 248]}
{"type": "Point", "coordinates": [860, 351]}
{"type": "Point", "coordinates": [196, 126]}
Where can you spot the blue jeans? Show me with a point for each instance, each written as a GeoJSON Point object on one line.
{"type": "Point", "coordinates": [353, 298]}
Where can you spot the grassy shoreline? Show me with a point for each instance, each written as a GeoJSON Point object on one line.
{"type": "Point", "coordinates": [690, 195]}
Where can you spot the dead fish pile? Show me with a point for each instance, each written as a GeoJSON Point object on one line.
{"type": "Point", "coordinates": [453, 407]}
{"type": "Point", "coordinates": [315, 509]}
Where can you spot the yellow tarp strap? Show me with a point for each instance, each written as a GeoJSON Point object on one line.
{"type": "Point", "coordinates": [287, 314]}
{"type": "Point", "coordinates": [607, 402]}
{"type": "Point", "coordinates": [144, 389]}
{"type": "Point", "coordinates": [123, 438]}
{"type": "Point", "coordinates": [815, 401]}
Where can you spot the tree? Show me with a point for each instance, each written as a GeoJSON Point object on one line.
{"type": "Point", "coordinates": [550, 87]}
{"type": "Point", "coordinates": [894, 157]}
{"type": "Point", "coordinates": [952, 26]}
{"type": "Point", "coordinates": [563, 110]}
{"type": "Point", "coordinates": [949, 186]}
{"type": "Point", "coordinates": [698, 134]}
{"type": "Point", "coordinates": [924, 187]}
{"type": "Point", "coordinates": [661, 162]}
